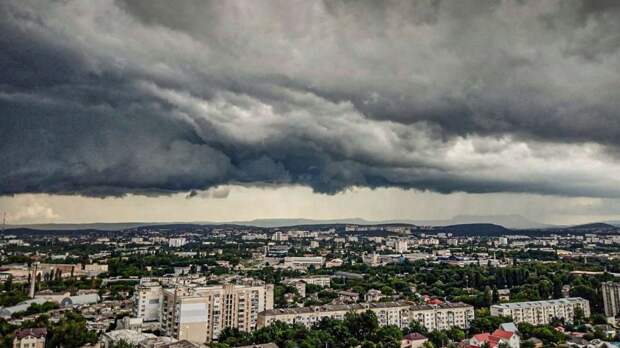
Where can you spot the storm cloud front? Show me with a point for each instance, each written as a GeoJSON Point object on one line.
{"type": "Point", "coordinates": [106, 98]}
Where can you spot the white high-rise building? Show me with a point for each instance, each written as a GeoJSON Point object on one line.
{"type": "Point", "coordinates": [611, 298]}
{"type": "Point", "coordinates": [399, 245]}
{"type": "Point", "coordinates": [147, 301]}
{"type": "Point", "coordinates": [177, 242]}
{"type": "Point", "coordinates": [542, 312]}
{"type": "Point", "coordinates": [200, 314]}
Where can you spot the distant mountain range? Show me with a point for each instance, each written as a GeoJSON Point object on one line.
{"type": "Point", "coordinates": [593, 226]}
{"type": "Point", "coordinates": [514, 222]}
{"type": "Point", "coordinates": [508, 221]}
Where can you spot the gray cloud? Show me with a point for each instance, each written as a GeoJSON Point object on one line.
{"type": "Point", "coordinates": [107, 98]}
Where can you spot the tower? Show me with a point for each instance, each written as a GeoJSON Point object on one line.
{"type": "Point", "coordinates": [34, 267]}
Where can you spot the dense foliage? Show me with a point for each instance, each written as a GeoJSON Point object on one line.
{"type": "Point", "coordinates": [355, 330]}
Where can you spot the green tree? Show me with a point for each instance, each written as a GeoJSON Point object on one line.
{"type": "Point", "coordinates": [488, 296]}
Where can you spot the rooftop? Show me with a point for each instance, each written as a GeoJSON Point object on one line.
{"type": "Point", "coordinates": [36, 332]}
{"type": "Point", "coordinates": [562, 301]}
{"type": "Point", "coordinates": [362, 306]}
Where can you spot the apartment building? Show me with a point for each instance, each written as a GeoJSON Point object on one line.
{"type": "Point", "coordinates": [304, 261]}
{"type": "Point", "coordinates": [147, 301]}
{"type": "Point", "coordinates": [320, 280]}
{"type": "Point", "coordinates": [541, 312]}
{"type": "Point", "coordinates": [441, 317]}
{"type": "Point", "coordinates": [388, 313]}
{"type": "Point", "coordinates": [177, 242]}
{"type": "Point", "coordinates": [199, 314]}
{"type": "Point", "coordinates": [611, 298]}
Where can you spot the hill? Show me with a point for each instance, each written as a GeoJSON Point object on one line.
{"type": "Point", "coordinates": [475, 230]}
{"type": "Point", "coordinates": [593, 227]}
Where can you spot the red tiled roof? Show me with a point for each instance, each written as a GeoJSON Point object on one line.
{"type": "Point", "coordinates": [481, 337]}
{"type": "Point", "coordinates": [493, 341]}
{"type": "Point", "coordinates": [502, 334]}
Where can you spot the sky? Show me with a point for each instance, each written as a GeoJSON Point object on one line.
{"type": "Point", "coordinates": [235, 110]}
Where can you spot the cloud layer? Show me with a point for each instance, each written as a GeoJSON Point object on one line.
{"type": "Point", "coordinates": [107, 98]}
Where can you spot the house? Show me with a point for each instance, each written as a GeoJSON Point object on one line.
{"type": "Point", "coordinates": [511, 338]}
{"type": "Point", "coordinates": [413, 340]}
{"type": "Point", "coordinates": [30, 338]}
{"type": "Point", "coordinates": [494, 339]}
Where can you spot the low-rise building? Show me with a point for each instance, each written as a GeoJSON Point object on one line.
{"type": "Point", "coordinates": [493, 340]}
{"type": "Point", "coordinates": [388, 313]}
{"type": "Point", "coordinates": [413, 340]}
{"type": "Point", "coordinates": [30, 338]}
{"type": "Point", "coordinates": [304, 261]}
{"type": "Point", "coordinates": [320, 280]}
{"type": "Point", "coordinates": [432, 317]}
{"type": "Point", "coordinates": [133, 338]}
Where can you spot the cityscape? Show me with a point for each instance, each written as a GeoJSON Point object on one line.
{"type": "Point", "coordinates": [470, 285]}
{"type": "Point", "coordinates": [309, 174]}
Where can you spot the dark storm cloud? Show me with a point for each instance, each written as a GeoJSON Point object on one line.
{"type": "Point", "coordinates": [106, 98]}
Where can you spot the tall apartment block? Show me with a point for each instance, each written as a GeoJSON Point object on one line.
{"type": "Point", "coordinates": [541, 312]}
{"type": "Point", "coordinates": [611, 298]}
{"type": "Point", "coordinates": [199, 314]}
{"type": "Point", "coordinates": [147, 300]}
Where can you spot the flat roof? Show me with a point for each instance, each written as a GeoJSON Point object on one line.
{"type": "Point", "coordinates": [361, 306]}
{"type": "Point", "coordinates": [539, 303]}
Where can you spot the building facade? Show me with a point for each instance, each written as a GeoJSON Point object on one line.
{"type": "Point", "coordinates": [177, 242]}
{"type": "Point", "coordinates": [320, 280]}
{"type": "Point", "coordinates": [148, 298]}
{"type": "Point", "coordinates": [611, 298]}
{"type": "Point", "coordinates": [303, 261]}
{"type": "Point", "coordinates": [30, 338]}
{"type": "Point", "coordinates": [433, 317]}
{"type": "Point", "coordinates": [200, 314]}
{"type": "Point", "coordinates": [443, 316]}
{"type": "Point", "coordinates": [542, 312]}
